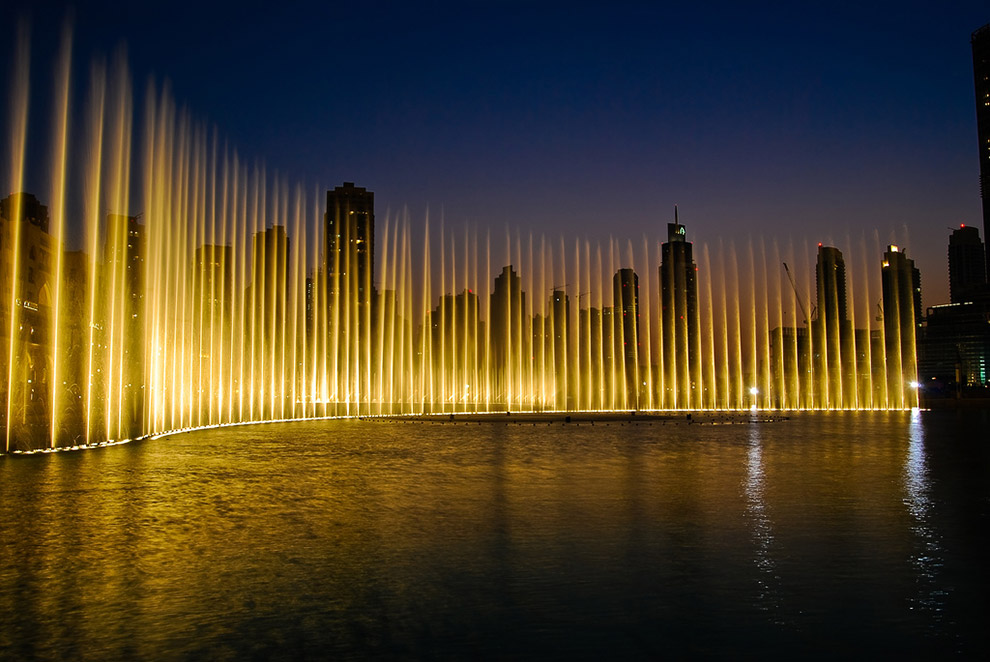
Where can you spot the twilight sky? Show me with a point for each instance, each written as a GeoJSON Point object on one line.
{"type": "Point", "coordinates": [809, 121]}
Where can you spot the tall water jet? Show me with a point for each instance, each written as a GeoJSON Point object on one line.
{"type": "Point", "coordinates": [169, 284]}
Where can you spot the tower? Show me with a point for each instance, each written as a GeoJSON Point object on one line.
{"type": "Point", "coordinates": [559, 346]}
{"type": "Point", "coordinates": [981, 77]}
{"type": "Point", "coordinates": [349, 229]}
{"type": "Point", "coordinates": [509, 326]}
{"type": "Point", "coordinates": [901, 283]}
{"type": "Point", "coordinates": [967, 265]}
{"type": "Point", "coordinates": [625, 320]}
{"type": "Point", "coordinates": [123, 324]}
{"type": "Point", "coordinates": [269, 293]}
{"type": "Point", "coordinates": [680, 320]}
{"type": "Point", "coordinates": [834, 359]}
{"type": "Point", "coordinates": [27, 255]}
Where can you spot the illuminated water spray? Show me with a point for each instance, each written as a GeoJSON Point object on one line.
{"type": "Point", "coordinates": [167, 284]}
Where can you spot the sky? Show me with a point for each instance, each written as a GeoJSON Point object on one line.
{"type": "Point", "coordinates": [800, 121]}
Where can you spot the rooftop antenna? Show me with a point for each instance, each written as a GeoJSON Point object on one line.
{"type": "Point", "coordinates": [675, 215]}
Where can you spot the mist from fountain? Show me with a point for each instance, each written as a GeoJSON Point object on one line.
{"type": "Point", "coordinates": [217, 305]}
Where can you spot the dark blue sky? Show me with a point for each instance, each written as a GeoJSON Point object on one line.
{"type": "Point", "coordinates": [809, 121]}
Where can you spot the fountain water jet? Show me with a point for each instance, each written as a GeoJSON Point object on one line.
{"type": "Point", "coordinates": [216, 305]}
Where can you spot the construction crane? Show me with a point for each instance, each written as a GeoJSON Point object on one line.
{"type": "Point", "coordinates": [797, 295]}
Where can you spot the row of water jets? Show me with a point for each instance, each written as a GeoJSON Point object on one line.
{"type": "Point", "coordinates": [214, 306]}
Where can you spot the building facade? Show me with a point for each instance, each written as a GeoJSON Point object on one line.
{"type": "Point", "coordinates": [680, 320]}
{"type": "Point", "coordinates": [625, 320]}
{"type": "Point", "coordinates": [901, 283]}
{"type": "Point", "coordinates": [981, 78]}
{"type": "Point", "coordinates": [967, 265]}
{"type": "Point", "coordinates": [349, 264]}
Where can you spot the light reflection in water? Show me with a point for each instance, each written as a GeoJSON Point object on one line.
{"type": "Point", "coordinates": [927, 557]}
{"type": "Point", "coordinates": [762, 527]}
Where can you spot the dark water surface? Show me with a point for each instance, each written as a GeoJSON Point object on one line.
{"type": "Point", "coordinates": [823, 535]}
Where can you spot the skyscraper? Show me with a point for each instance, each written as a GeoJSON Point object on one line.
{"type": "Point", "coordinates": [558, 348]}
{"type": "Point", "coordinates": [27, 255]}
{"type": "Point", "coordinates": [350, 243]}
{"type": "Point", "coordinates": [680, 320]}
{"type": "Point", "coordinates": [967, 265]}
{"type": "Point", "coordinates": [625, 307]}
{"type": "Point", "coordinates": [269, 291]}
{"type": "Point", "coordinates": [901, 283]}
{"type": "Point", "coordinates": [454, 351]}
{"type": "Point", "coordinates": [981, 77]}
{"type": "Point", "coordinates": [123, 324]}
{"type": "Point", "coordinates": [509, 326]}
{"type": "Point", "coordinates": [349, 228]}
{"type": "Point", "coordinates": [832, 331]}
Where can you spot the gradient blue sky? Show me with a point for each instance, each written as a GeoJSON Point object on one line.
{"type": "Point", "coordinates": [808, 121]}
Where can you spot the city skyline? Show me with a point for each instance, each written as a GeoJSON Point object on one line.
{"type": "Point", "coordinates": [655, 124]}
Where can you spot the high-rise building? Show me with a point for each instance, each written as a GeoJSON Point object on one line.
{"type": "Point", "coordinates": [212, 332]}
{"type": "Point", "coordinates": [122, 323]}
{"type": "Point", "coordinates": [680, 320]}
{"type": "Point", "coordinates": [830, 280]}
{"type": "Point", "coordinates": [27, 259]}
{"type": "Point", "coordinates": [954, 344]}
{"type": "Point", "coordinates": [981, 76]}
{"type": "Point", "coordinates": [558, 349]}
{"type": "Point", "coordinates": [350, 245]}
{"type": "Point", "coordinates": [625, 320]}
{"type": "Point", "coordinates": [266, 298]}
{"type": "Point", "coordinates": [967, 265]}
{"type": "Point", "coordinates": [349, 228]}
{"type": "Point", "coordinates": [832, 332]}
{"type": "Point", "coordinates": [594, 352]}
{"type": "Point", "coordinates": [454, 350]}
{"type": "Point", "coordinates": [901, 283]}
{"type": "Point", "coordinates": [509, 325]}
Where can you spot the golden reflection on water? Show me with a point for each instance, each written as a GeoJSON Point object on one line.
{"type": "Point", "coordinates": [405, 538]}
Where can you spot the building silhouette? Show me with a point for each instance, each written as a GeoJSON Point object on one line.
{"type": "Point", "coordinates": [594, 358]}
{"type": "Point", "coordinates": [832, 333]}
{"type": "Point", "coordinates": [266, 298]}
{"type": "Point", "coordinates": [981, 77]}
{"type": "Point", "coordinates": [123, 325]}
{"type": "Point", "coordinates": [212, 332]}
{"type": "Point", "coordinates": [625, 320]}
{"type": "Point", "coordinates": [901, 283]}
{"type": "Point", "coordinates": [954, 343]}
{"type": "Point", "coordinates": [680, 320]}
{"type": "Point", "coordinates": [559, 349]}
{"type": "Point", "coordinates": [509, 326]}
{"type": "Point", "coordinates": [454, 351]}
{"type": "Point", "coordinates": [72, 347]}
{"type": "Point", "coordinates": [349, 231]}
{"type": "Point", "coordinates": [27, 256]}
{"type": "Point", "coordinates": [967, 265]}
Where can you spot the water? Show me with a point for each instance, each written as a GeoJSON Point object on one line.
{"type": "Point", "coordinates": [159, 280]}
{"type": "Point", "coordinates": [829, 533]}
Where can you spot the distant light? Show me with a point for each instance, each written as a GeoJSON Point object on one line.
{"type": "Point", "coordinates": [754, 391]}
{"type": "Point", "coordinates": [914, 385]}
